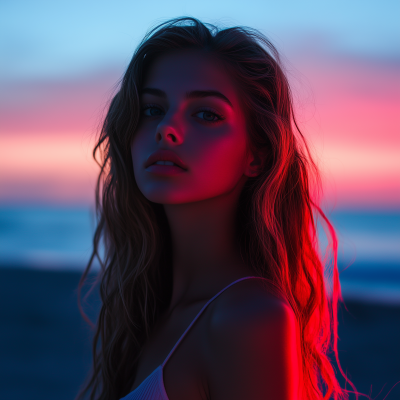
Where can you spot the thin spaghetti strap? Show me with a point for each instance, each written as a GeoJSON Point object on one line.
{"type": "Point", "coordinates": [200, 312]}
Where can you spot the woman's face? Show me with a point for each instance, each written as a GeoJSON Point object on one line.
{"type": "Point", "coordinates": [208, 133]}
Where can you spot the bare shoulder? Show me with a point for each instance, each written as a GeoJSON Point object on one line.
{"type": "Point", "coordinates": [250, 303]}
{"type": "Point", "coordinates": [252, 349]}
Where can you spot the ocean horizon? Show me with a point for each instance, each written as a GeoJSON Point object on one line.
{"type": "Point", "coordinates": [59, 238]}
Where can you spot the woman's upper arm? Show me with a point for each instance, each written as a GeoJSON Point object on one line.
{"type": "Point", "coordinates": [253, 353]}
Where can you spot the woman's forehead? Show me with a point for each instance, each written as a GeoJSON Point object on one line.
{"type": "Point", "coordinates": [188, 70]}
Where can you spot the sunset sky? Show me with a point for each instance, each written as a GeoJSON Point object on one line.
{"type": "Point", "coordinates": [60, 63]}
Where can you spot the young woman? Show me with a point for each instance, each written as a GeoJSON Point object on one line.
{"type": "Point", "coordinates": [212, 286]}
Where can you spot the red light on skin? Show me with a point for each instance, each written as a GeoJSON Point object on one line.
{"type": "Point", "coordinates": [166, 170]}
{"type": "Point", "coordinates": [182, 114]}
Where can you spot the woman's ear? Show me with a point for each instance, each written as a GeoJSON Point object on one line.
{"type": "Point", "coordinates": [254, 165]}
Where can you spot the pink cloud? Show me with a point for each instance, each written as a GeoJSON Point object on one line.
{"type": "Point", "coordinates": [351, 119]}
{"type": "Point", "coordinates": [55, 107]}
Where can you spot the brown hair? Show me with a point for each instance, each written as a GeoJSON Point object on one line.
{"type": "Point", "coordinates": [276, 215]}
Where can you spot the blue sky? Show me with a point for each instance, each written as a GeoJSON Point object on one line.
{"type": "Point", "coordinates": [54, 39]}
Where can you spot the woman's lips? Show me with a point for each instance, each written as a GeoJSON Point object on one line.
{"type": "Point", "coordinates": [164, 155]}
{"type": "Point", "coordinates": [165, 169]}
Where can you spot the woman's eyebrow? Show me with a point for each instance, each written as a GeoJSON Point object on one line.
{"type": "Point", "coordinates": [195, 94]}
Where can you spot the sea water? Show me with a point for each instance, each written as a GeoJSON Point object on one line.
{"type": "Point", "coordinates": [60, 238]}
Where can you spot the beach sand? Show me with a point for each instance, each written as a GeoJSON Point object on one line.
{"type": "Point", "coordinates": [45, 345]}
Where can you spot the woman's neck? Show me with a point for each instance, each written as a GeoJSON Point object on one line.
{"type": "Point", "coordinates": [205, 254]}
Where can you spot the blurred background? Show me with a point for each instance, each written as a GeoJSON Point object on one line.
{"type": "Point", "coordinates": [60, 64]}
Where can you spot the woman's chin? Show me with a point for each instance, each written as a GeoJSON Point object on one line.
{"type": "Point", "coordinates": [166, 197]}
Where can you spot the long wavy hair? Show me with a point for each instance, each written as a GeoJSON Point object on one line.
{"type": "Point", "coordinates": [276, 218]}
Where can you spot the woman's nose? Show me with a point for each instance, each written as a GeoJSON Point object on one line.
{"type": "Point", "coordinates": [170, 130]}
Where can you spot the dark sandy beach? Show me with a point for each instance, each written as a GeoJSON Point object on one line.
{"type": "Point", "coordinates": [45, 345]}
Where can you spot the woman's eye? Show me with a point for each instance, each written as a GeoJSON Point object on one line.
{"type": "Point", "coordinates": [209, 116]}
{"type": "Point", "coordinates": [152, 111]}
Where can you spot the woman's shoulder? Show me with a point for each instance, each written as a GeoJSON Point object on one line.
{"type": "Point", "coordinates": [252, 343]}
{"type": "Point", "coordinates": [252, 302]}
